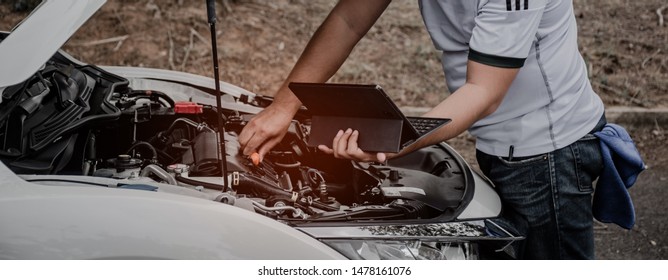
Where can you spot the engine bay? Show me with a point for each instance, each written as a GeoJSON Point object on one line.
{"type": "Point", "coordinates": [79, 120]}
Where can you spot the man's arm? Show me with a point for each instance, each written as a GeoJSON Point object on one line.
{"type": "Point", "coordinates": [485, 88]}
{"type": "Point", "coordinates": [483, 92]}
{"type": "Point", "coordinates": [329, 47]}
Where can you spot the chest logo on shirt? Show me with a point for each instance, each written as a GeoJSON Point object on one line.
{"type": "Point", "coordinates": [518, 5]}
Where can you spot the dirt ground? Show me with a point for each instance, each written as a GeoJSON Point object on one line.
{"type": "Point", "coordinates": [622, 42]}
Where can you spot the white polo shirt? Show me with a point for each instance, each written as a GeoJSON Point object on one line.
{"type": "Point", "coordinates": [550, 104]}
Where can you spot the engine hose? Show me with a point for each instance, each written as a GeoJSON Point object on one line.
{"type": "Point", "coordinates": [206, 167]}
{"type": "Point", "coordinates": [288, 165]}
{"type": "Point", "coordinates": [147, 145]}
{"type": "Point", "coordinates": [192, 182]}
{"type": "Point", "coordinates": [196, 125]}
{"type": "Point", "coordinates": [324, 206]}
{"type": "Point", "coordinates": [261, 186]}
{"type": "Point", "coordinates": [244, 182]}
{"type": "Point", "coordinates": [149, 93]}
{"type": "Point", "coordinates": [275, 208]}
{"type": "Point", "coordinates": [158, 171]}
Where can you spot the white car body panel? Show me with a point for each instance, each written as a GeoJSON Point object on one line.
{"type": "Point", "coordinates": [485, 202]}
{"type": "Point", "coordinates": [106, 223]}
{"type": "Point", "coordinates": [183, 86]}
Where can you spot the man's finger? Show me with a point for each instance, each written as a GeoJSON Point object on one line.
{"type": "Point", "coordinates": [352, 142]}
{"type": "Point", "coordinates": [335, 143]}
{"type": "Point", "coordinates": [325, 149]}
{"type": "Point", "coordinates": [381, 157]}
{"type": "Point", "coordinates": [245, 136]}
{"type": "Point", "coordinates": [342, 143]}
{"type": "Point", "coordinates": [253, 144]}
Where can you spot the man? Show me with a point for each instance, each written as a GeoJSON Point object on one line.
{"type": "Point", "coordinates": [519, 85]}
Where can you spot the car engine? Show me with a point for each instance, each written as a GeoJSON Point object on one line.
{"type": "Point", "coordinates": [79, 120]}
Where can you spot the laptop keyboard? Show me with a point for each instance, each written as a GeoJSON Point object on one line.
{"type": "Point", "coordinates": [424, 125]}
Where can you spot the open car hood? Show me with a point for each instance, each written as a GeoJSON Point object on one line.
{"type": "Point", "coordinates": [32, 43]}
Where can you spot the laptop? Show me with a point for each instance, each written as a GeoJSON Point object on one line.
{"type": "Point", "coordinates": [366, 108]}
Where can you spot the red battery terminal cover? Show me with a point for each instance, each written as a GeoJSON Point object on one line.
{"type": "Point", "coordinates": [187, 107]}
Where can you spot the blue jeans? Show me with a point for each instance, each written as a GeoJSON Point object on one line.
{"type": "Point", "coordinates": [547, 198]}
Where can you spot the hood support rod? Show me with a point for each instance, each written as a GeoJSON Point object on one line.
{"type": "Point", "coordinates": [211, 13]}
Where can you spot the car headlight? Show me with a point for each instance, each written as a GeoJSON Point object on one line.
{"type": "Point", "coordinates": [404, 250]}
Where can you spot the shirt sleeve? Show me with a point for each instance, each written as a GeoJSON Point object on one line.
{"type": "Point", "coordinates": [505, 31]}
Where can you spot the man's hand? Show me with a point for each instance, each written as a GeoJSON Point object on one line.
{"type": "Point", "coordinates": [265, 130]}
{"type": "Point", "coordinates": [344, 146]}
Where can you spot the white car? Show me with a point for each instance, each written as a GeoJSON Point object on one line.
{"type": "Point", "coordinates": [125, 163]}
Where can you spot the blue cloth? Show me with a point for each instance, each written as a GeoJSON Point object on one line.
{"type": "Point", "coordinates": [621, 165]}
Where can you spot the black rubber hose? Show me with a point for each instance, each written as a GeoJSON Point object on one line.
{"type": "Point", "coordinates": [323, 206]}
{"type": "Point", "coordinates": [192, 182]}
{"type": "Point", "coordinates": [149, 93]}
{"type": "Point", "coordinates": [197, 126]}
{"type": "Point", "coordinates": [206, 168]}
{"type": "Point", "coordinates": [244, 182]}
{"type": "Point", "coordinates": [145, 144]}
{"type": "Point", "coordinates": [288, 165]}
{"type": "Point", "coordinates": [261, 186]}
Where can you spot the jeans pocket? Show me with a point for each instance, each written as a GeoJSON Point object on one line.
{"type": "Point", "coordinates": [588, 161]}
{"type": "Point", "coordinates": [523, 161]}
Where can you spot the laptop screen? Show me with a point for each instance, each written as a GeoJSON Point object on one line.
{"type": "Point", "coordinates": [346, 100]}
{"type": "Point", "coordinates": [366, 108]}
